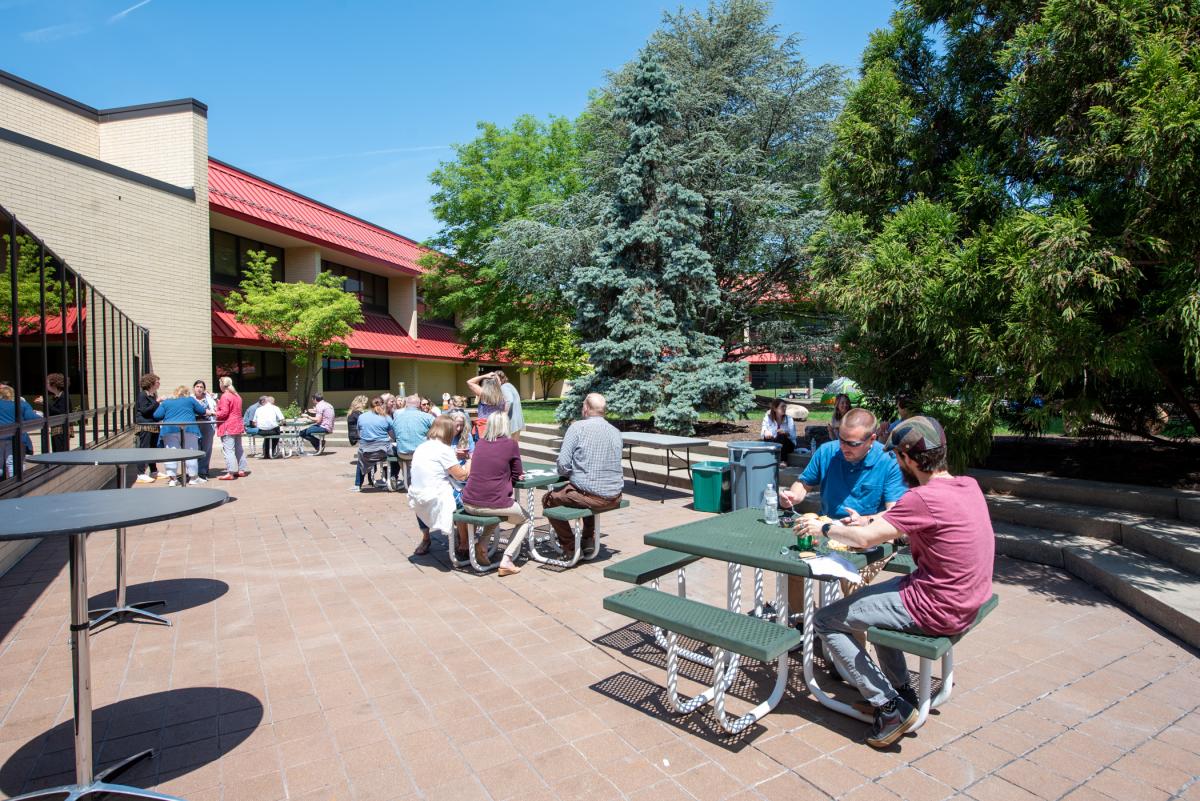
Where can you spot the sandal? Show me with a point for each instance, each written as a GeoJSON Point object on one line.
{"type": "Point", "coordinates": [422, 549]}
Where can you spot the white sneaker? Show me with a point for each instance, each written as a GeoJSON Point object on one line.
{"type": "Point", "coordinates": [172, 482]}
{"type": "Point", "coordinates": [197, 480]}
{"type": "Point", "coordinates": [145, 478]}
{"type": "Point", "coordinates": [356, 489]}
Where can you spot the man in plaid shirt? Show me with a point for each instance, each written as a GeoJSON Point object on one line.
{"type": "Point", "coordinates": [590, 457]}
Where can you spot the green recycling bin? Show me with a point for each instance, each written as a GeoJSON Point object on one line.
{"type": "Point", "coordinates": [710, 487]}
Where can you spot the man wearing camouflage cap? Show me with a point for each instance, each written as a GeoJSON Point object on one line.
{"type": "Point", "coordinates": [946, 520]}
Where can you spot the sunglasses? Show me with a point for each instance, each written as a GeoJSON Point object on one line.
{"type": "Point", "coordinates": [855, 443]}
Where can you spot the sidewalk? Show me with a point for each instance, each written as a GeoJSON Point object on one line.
{"type": "Point", "coordinates": [311, 657]}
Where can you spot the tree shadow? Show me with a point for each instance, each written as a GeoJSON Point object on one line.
{"type": "Point", "coordinates": [647, 491]}
{"type": "Point", "coordinates": [187, 728]}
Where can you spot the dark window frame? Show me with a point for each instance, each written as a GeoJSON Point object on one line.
{"type": "Point", "coordinates": [241, 245]}
{"type": "Point", "coordinates": [372, 373]}
{"type": "Point", "coordinates": [252, 385]}
{"type": "Point", "coordinates": [375, 300]}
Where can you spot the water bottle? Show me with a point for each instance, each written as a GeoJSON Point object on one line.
{"type": "Point", "coordinates": [771, 506]}
{"type": "Point", "coordinates": [812, 445]}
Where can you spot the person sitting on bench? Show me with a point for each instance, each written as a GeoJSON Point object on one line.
{"type": "Point", "coordinates": [590, 458]}
{"type": "Point", "coordinates": [946, 520]}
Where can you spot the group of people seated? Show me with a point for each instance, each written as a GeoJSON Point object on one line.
{"type": "Point", "coordinates": [456, 466]}
{"type": "Point", "coordinates": [778, 425]}
{"type": "Point", "coordinates": [899, 491]}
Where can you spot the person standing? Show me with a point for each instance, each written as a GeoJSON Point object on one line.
{"type": "Point", "coordinates": [590, 458]}
{"type": "Point", "coordinates": [946, 520]}
{"type": "Point", "coordinates": [58, 404]}
{"type": "Point", "coordinates": [143, 414]}
{"type": "Point", "coordinates": [204, 423]}
{"type": "Point", "coordinates": [512, 400]}
{"type": "Point", "coordinates": [322, 415]}
{"type": "Point", "coordinates": [230, 429]}
{"type": "Point", "coordinates": [489, 397]}
{"type": "Point", "coordinates": [182, 408]}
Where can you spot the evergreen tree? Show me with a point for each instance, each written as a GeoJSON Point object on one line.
{"type": "Point", "coordinates": [648, 283]}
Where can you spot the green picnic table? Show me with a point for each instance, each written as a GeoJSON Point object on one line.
{"type": "Point", "coordinates": [743, 538]}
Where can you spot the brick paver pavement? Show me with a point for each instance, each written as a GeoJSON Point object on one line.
{"type": "Point", "coordinates": [312, 658]}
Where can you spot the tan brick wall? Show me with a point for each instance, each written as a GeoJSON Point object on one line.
{"type": "Point", "coordinates": [402, 302]}
{"type": "Point", "coordinates": [300, 265]}
{"type": "Point", "coordinates": [145, 249]}
{"type": "Point", "coordinates": [50, 123]}
{"type": "Point", "coordinates": [160, 146]}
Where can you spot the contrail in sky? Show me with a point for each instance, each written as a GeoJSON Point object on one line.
{"type": "Point", "coordinates": [122, 14]}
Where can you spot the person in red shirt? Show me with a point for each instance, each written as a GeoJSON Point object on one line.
{"type": "Point", "coordinates": [946, 520]}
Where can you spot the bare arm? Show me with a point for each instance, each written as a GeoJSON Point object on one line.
{"type": "Point", "coordinates": [459, 472]}
{"type": "Point", "coordinates": [796, 494]}
{"type": "Point", "coordinates": [476, 385]}
{"type": "Point", "coordinates": [872, 532]}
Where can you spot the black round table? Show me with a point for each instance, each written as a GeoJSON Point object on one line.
{"type": "Point", "coordinates": [73, 515]}
{"type": "Point", "coordinates": [120, 457]}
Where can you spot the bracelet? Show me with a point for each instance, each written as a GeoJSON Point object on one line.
{"type": "Point", "coordinates": [825, 529]}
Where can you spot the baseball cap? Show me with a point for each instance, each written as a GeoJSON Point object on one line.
{"type": "Point", "coordinates": [916, 435]}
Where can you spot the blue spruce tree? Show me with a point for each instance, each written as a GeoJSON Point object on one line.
{"type": "Point", "coordinates": [648, 282]}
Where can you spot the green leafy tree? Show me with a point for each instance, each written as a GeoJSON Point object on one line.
{"type": "Point", "coordinates": [499, 176]}
{"type": "Point", "coordinates": [639, 302]}
{"type": "Point", "coordinates": [753, 128]}
{"type": "Point", "coordinates": [308, 321]}
{"type": "Point", "coordinates": [30, 267]}
{"type": "Point", "coordinates": [1014, 211]}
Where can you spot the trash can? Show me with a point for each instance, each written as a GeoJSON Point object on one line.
{"type": "Point", "coordinates": [753, 466]}
{"type": "Point", "coordinates": [710, 486]}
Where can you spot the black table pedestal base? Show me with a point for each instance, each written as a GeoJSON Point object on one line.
{"type": "Point", "coordinates": [101, 786]}
{"type": "Point", "coordinates": [135, 611]}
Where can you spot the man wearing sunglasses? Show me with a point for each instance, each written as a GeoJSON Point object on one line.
{"type": "Point", "coordinates": [854, 474]}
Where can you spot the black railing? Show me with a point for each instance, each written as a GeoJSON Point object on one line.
{"type": "Point", "coordinates": [69, 358]}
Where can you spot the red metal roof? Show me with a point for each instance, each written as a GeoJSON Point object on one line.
{"type": "Point", "coordinates": [31, 326]}
{"type": "Point", "coordinates": [376, 335]}
{"type": "Point", "coordinates": [248, 197]}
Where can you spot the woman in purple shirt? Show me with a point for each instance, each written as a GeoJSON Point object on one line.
{"type": "Point", "coordinates": [489, 491]}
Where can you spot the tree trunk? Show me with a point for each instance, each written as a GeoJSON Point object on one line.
{"type": "Point", "coordinates": [1188, 409]}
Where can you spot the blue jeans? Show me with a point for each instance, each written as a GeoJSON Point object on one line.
{"type": "Point", "coordinates": [170, 441]}
{"type": "Point", "coordinates": [308, 435]}
{"type": "Point", "coordinates": [876, 605]}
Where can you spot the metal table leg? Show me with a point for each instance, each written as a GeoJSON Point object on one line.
{"type": "Point", "coordinates": [120, 607]}
{"type": "Point", "coordinates": [632, 469]}
{"type": "Point", "coordinates": [87, 783]}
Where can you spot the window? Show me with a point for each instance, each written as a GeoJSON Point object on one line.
{"type": "Point", "coordinates": [372, 290]}
{"type": "Point", "coordinates": [355, 373]}
{"type": "Point", "coordinates": [228, 257]}
{"type": "Point", "coordinates": [252, 371]}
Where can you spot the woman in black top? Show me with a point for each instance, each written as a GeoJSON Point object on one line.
{"type": "Point", "coordinates": [357, 407]}
{"type": "Point", "coordinates": [147, 435]}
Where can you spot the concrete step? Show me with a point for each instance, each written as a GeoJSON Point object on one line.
{"type": "Point", "coordinates": [1151, 501]}
{"type": "Point", "coordinates": [1068, 518]}
{"type": "Point", "coordinates": [1154, 588]}
{"type": "Point", "coordinates": [1173, 541]}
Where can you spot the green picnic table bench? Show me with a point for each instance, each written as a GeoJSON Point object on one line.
{"type": "Point", "coordinates": [929, 648]}
{"type": "Point", "coordinates": [725, 631]}
{"type": "Point", "coordinates": [475, 525]}
{"type": "Point", "coordinates": [901, 563]}
{"type": "Point", "coordinates": [575, 517]}
{"type": "Point", "coordinates": [650, 566]}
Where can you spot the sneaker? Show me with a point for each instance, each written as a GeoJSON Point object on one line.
{"type": "Point", "coordinates": [145, 478]}
{"type": "Point", "coordinates": [356, 488]}
{"type": "Point", "coordinates": [172, 482]}
{"type": "Point", "coordinates": [892, 720]}
{"type": "Point", "coordinates": [909, 694]}
{"type": "Point", "coordinates": [198, 480]}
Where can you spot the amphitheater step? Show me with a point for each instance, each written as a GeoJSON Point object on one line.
{"type": "Point", "coordinates": [1153, 501]}
{"type": "Point", "coordinates": [1088, 521]}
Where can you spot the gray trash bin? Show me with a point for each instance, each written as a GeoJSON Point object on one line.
{"type": "Point", "coordinates": [754, 466]}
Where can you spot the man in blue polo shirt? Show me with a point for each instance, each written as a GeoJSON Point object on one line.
{"type": "Point", "coordinates": [856, 477]}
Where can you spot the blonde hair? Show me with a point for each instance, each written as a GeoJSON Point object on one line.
{"type": "Point", "coordinates": [182, 391]}
{"type": "Point", "coordinates": [497, 426]}
{"type": "Point", "coordinates": [359, 403]}
{"type": "Point", "coordinates": [6, 392]}
{"type": "Point", "coordinates": [442, 429]}
{"type": "Point", "coordinates": [226, 384]}
{"type": "Point", "coordinates": [489, 392]}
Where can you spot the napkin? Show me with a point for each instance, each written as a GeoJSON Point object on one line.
{"type": "Point", "coordinates": [833, 566]}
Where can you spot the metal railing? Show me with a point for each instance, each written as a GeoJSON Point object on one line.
{"type": "Point", "coordinates": [69, 358]}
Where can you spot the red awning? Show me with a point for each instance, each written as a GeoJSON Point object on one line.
{"type": "Point", "coordinates": [376, 335]}
{"type": "Point", "coordinates": [248, 197]}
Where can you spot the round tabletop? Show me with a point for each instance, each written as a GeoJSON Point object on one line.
{"type": "Point", "coordinates": [99, 510]}
{"type": "Point", "coordinates": [209, 422]}
{"type": "Point", "coordinates": [114, 456]}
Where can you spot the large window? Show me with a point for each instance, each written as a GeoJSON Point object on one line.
{"type": "Point", "coordinates": [228, 256]}
{"type": "Point", "coordinates": [356, 374]}
{"type": "Point", "coordinates": [371, 289]}
{"type": "Point", "coordinates": [252, 371]}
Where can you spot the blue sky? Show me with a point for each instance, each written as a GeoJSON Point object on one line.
{"type": "Point", "coordinates": [355, 103]}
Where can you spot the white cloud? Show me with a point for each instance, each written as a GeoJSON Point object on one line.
{"type": "Point", "coordinates": [53, 33]}
{"type": "Point", "coordinates": [122, 14]}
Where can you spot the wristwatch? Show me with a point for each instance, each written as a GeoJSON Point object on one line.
{"type": "Point", "coordinates": [825, 529]}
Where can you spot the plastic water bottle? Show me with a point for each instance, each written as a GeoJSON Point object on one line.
{"type": "Point", "coordinates": [812, 445]}
{"type": "Point", "coordinates": [771, 505]}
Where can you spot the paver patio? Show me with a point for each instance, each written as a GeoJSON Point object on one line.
{"type": "Point", "coordinates": [312, 658]}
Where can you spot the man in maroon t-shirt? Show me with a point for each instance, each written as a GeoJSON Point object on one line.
{"type": "Point", "coordinates": [946, 520]}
